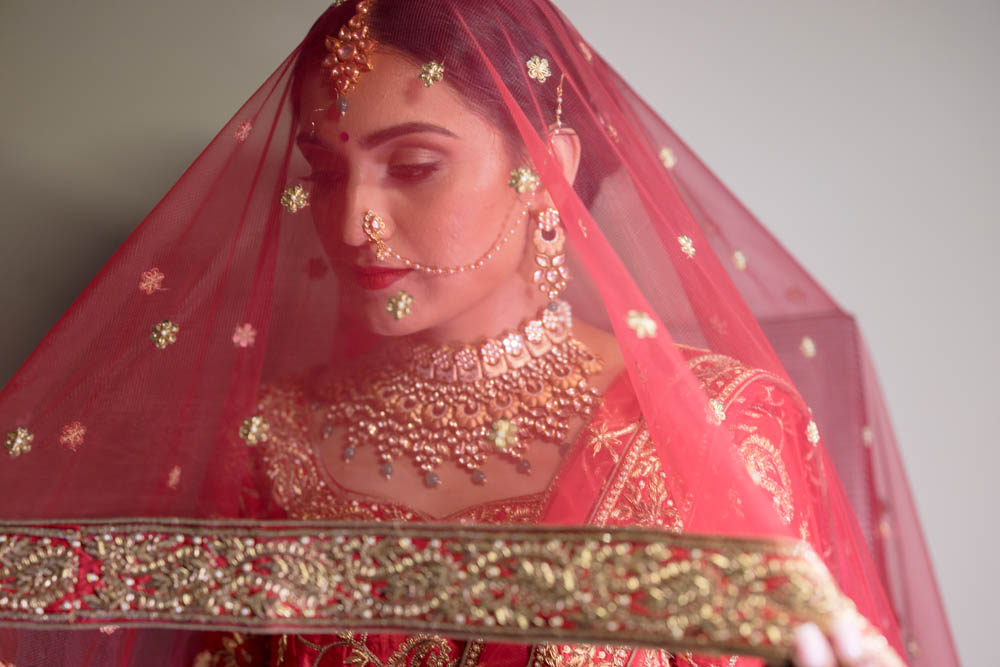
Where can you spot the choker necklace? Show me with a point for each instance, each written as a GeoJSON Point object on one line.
{"type": "Point", "coordinates": [464, 403]}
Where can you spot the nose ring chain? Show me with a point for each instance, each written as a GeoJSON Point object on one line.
{"type": "Point", "coordinates": [374, 228]}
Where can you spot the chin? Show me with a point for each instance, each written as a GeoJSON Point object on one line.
{"type": "Point", "coordinates": [380, 322]}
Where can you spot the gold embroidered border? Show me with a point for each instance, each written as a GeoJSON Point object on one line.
{"type": "Point", "coordinates": [528, 584]}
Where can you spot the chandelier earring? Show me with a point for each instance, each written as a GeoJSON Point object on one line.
{"type": "Point", "coordinates": [551, 273]}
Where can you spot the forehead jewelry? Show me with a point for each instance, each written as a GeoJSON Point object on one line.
{"type": "Point", "coordinates": [350, 53]}
{"type": "Point", "coordinates": [374, 227]}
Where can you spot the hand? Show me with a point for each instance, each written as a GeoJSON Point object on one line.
{"type": "Point", "coordinates": [842, 648]}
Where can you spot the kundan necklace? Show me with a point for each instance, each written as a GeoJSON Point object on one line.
{"type": "Point", "coordinates": [464, 403]}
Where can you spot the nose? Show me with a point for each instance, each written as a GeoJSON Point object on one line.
{"type": "Point", "coordinates": [362, 218]}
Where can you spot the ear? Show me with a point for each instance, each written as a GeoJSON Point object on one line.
{"type": "Point", "coordinates": [565, 145]}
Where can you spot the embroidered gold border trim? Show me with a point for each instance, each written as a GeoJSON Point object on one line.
{"type": "Point", "coordinates": [529, 584]}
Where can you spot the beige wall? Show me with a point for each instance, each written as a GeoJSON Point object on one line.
{"type": "Point", "coordinates": [864, 136]}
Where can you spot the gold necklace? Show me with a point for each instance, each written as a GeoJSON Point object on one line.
{"type": "Point", "coordinates": [463, 403]}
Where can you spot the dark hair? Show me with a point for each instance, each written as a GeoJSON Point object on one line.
{"type": "Point", "coordinates": [504, 34]}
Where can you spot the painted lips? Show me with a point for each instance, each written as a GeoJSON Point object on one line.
{"type": "Point", "coordinates": [375, 277]}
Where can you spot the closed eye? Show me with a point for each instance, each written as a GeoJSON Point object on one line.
{"type": "Point", "coordinates": [413, 172]}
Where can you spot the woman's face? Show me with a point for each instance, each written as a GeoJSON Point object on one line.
{"type": "Point", "coordinates": [435, 172]}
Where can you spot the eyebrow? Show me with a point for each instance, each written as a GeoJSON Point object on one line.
{"type": "Point", "coordinates": [380, 137]}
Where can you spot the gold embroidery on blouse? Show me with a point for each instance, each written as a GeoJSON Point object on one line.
{"type": "Point", "coordinates": [415, 651]}
{"type": "Point", "coordinates": [470, 657]}
{"type": "Point", "coordinates": [724, 379]}
{"type": "Point", "coordinates": [636, 493]}
{"type": "Point", "coordinates": [604, 438]}
{"type": "Point", "coordinates": [581, 655]}
{"type": "Point", "coordinates": [767, 469]}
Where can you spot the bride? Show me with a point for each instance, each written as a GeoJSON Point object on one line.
{"type": "Point", "coordinates": [441, 269]}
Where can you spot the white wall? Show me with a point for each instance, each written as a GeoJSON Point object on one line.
{"type": "Point", "coordinates": [863, 134]}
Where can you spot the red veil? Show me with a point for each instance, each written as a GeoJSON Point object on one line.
{"type": "Point", "coordinates": [160, 484]}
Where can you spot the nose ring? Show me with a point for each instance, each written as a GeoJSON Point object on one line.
{"type": "Point", "coordinates": [374, 228]}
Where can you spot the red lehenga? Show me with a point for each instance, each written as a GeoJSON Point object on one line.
{"type": "Point", "coordinates": [626, 482]}
{"type": "Point", "coordinates": [160, 494]}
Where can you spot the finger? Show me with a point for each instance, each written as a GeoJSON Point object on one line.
{"type": "Point", "coordinates": [846, 636]}
{"type": "Point", "coordinates": [812, 648]}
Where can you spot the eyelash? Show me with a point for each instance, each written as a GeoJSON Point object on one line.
{"type": "Point", "coordinates": [411, 173]}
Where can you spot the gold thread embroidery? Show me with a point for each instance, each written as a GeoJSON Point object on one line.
{"type": "Point", "coordinates": [242, 132]}
{"type": "Point", "coordinates": [637, 492]}
{"type": "Point", "coordinates": [668, 158]}
{"type": "Point", "coordinates": [431, 73]}
{"type": "Point", "coordinates": [588, 585]}
{"type": "Point", "coordinates": [18, 441]}
{"type": "Point", "coordinates": [640, 322]}
{"type": "Point", "coordinates": [538, 69]}
{"type": "Point", "coordinates": [244, 336]}
{"type": "Point", "coordinates": [807, 347]}
{"type": "Point", "coordinates": [72, 435]}
{"type": "Point", "coordinates": [687, 246]}
{"type": "Point", "coordinates": [255, 430]}
{"type": "Point", "coordinates": [740, 260]}
{"type": "Point", "coordinates": [812, 433]}
{"type": "Point", "coordinates": [151, 281]}
{"type": "Point", "coordinates": [295, 198]}
{"type": "Point", "coordinates": [524, 179]}
{"type": "Point", "coordinates": [580, 655]}
{"type": "Point", "coordinates": [164, 334]}
{"type": "Point", "coordinates": [415, 651]}
{"type": "Point", "coordinates": [767, 470]}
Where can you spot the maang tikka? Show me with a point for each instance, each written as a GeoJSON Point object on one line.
{"type": "Point", "coordinates": [350, 53]}
{"type": "Point", "coordinates": [551, 273]}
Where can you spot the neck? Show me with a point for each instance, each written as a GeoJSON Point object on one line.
{"type": "Point", "coordinates": [509, 305]}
